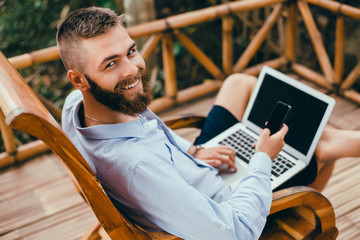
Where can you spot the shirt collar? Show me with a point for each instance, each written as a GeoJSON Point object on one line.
{"type": "Point", "coordinates": [107, 131]}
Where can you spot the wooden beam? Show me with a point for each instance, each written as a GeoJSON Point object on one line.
{"type": "Point", "coordinates": [339, 49]}
{"type": "Point", "coordinates": [311, 75]}
{"type": "Point", "coordinates": [258, 39]}
{"type": "Point", "coordinates": [150, 45]}
{"type": "Point", "coordinates": [23, 153]}
{"type": "Point", "coordinates": [160, 104]}
{"type": "Point", "coordinates": [202, 58]}
{"type": "Point", "coordinates": [198, 16]}
{"type": "Point", "coordinates": [352, 95]}
{"type": "Point", "coordinates": [227, 44]}
{"type": "Point", "coordinates": [169, 66]}
{"type": "Point", "coordinates": [351, 78]}
{"type": "Point", "coordinates": [40, 56]}
{"type": "Point", "coordinates": [337, 7]}
{"type": "Point", "coordinates": [291, 25]}
{"type": "Point", "coordinates": [275, 63]}
{"type": "Point", "coordinates": [316, 40]}
{"type": "Point", "coordinates": [7, 135]}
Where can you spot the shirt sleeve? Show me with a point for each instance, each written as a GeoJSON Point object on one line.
{"type": "Point", "coordinates": [181, 142]}
{"type": "Point", "coordinates": [164, 197]}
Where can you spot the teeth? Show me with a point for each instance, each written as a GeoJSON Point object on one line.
{"type": "Point", "coordinates": [131, 85]}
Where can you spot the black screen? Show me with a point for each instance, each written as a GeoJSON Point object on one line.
{"type": "Point", "coordinates": [303, 119]}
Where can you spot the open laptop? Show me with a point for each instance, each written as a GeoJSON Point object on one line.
{"type": "Point", "coordinates": [310, 112]}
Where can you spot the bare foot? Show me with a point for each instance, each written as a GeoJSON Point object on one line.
{"type": "Point", "coordinates": [335, 144]}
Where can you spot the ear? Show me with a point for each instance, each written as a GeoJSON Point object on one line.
{"type": "Point", "coordinates": [78, 80]}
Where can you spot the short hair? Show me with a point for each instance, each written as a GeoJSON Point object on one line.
{"type": "Point", "coordinates": [83, 24]}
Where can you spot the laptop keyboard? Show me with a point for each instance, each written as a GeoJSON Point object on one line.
{"type": "Point", "coordinates": [243, 144]}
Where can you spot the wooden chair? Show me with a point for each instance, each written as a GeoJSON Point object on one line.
{"type": "Point", "coordinates": [296, 213]}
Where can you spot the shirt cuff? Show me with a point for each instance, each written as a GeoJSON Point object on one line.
{"type": "Point", "coordinates": [261, 160]}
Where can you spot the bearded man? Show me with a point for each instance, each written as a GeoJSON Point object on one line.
{"type": "Point", "coordinates": [160, 180]}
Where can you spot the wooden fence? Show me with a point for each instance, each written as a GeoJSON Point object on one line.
{"type": "Point", "coordinates": [168, 29]}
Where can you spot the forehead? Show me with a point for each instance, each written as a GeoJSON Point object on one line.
{"type": "Point", "coordinates": [116, 41]}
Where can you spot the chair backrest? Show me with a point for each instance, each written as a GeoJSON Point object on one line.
{"type": "Point", "coordinates": [24, 112]}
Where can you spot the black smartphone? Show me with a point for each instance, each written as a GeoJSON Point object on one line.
{"type": "Point", "coordinates": [277, 117]}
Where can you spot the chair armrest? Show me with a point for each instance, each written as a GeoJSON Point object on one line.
{"type": "Point", "coordinates": [310, 204]}
{"type": "Point", "coordinates": [185, 121]}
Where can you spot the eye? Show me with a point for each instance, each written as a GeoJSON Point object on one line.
{"type": "Point", "coordinates": [112, 63]}
{"type": "Point", "coordinates": [131, 51]}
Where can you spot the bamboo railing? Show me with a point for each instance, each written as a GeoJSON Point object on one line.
{"type": "Point", "coordinates": [165, 31]}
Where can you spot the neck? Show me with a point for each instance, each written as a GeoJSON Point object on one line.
{"type": "Point", "coordinates": [98, 114]}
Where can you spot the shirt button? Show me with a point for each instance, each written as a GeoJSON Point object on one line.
{"type": "Point", "coordinates": [223, 228]}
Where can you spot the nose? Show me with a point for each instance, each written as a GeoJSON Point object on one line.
{"type": "Point", "coordinates": [129, 69]}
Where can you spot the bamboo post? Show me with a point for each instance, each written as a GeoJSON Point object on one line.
{"type": "Point", "coordinates": [339, 49]}
{"type": "Point", "coordinates": [352, 95]}
{"type": "Point", "coordinates": [150, 45]}
{"type": "Point", "coordinates": [291, 25]}
{"type": "Point", "coordinates": [311, 75]}
{"type": "Point", "coordinates": [7, 135]}
{"type": "Point", "coordinates": [40, 56]}
{"type": "Point", "coordinates": [316, 40]}
{"type": "Point", "coordinates": [227, 44]}
{"type": "Point", "coordinates": [337, 7]}
{"type": "Point", "coordinates": [169, 66]}
{"type": "Point", "coordinates": [351, 78]}
{"type": "Point", "coordinates": [275, 63]}
{"type": "Point", "coordinates": [185, 95]}
{"type": "Point", "coordinates": [9, 141]}
{"type": "Point", "coordinates": [258, 39]}
{"type": "Point", "coordinates": [198, 16]}
{"type": "Point", "coordinates": [203, 59]}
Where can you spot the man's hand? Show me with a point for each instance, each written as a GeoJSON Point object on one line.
{"type": "Point", "coordinates": [271, 145]}
{"type": "Point", "coordinates": [218, 155]}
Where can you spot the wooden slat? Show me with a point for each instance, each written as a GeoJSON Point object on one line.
{"type": "Point", "coordinates": [41, 202]}
{"type": "Point", "coordinates": [316, 40]}
{"type": "Point", "coordinates": [291, 26]}
{"type": "Point", "coordinates": [227, 44]}
{"type": "Point", "coordinates": [351, 78]}
{"type": "Point", "coordinates": [75, 220]}
{"type": "Point", "coordinates": [197, 53]}
{"type": "Point", "coordinates": [150, 45]}
{"type": "Point", "coordinates": [14, 179]}
{"type": "Point", "coordinates": [339, 49]}
{"type": "Point", "coordinates": [259, 38]}
{"type": "Point", "coordinates": [169, 66]}
{"type": "Point", "coordinates": [337, 7]}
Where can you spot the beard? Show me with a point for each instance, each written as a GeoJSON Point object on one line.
{"type": "Point", "coordinates": [119, 99]}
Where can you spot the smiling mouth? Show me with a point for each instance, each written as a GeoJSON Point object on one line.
{"type": "Point", "coordinates": [131, 85]}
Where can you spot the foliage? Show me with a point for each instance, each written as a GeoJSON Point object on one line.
{"type": "Point", "coordinates": [29, 25]}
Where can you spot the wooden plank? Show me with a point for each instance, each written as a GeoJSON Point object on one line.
{"type": "Point", "coordinates": [12, 182]}
{"type": "Point", "coordinates": [43, 201]}
{"type": "Point", "coordinates": [75, 220]}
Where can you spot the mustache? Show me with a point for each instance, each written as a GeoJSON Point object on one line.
{"type": "Point", "coordinates": [125, 82]}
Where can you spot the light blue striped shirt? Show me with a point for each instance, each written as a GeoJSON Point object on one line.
{"type": "Point", "coordinates": [145, 169]}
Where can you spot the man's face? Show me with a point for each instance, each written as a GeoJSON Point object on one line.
{"type": "Point", "coordinates": [119, 100]}
{"type": "Point", "coordinates": [116, 72]}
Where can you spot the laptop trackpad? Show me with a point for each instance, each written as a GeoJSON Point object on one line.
{"type": "Point", "coordinates": [233, 178]}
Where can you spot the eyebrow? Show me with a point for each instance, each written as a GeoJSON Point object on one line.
{"type": "Point", "coordinates": [115, 55]}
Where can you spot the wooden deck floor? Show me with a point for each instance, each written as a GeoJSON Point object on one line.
{"type": "Point", "coordinates": [38, 200]}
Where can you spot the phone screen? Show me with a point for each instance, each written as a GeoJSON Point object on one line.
{"type": "Point", "coordinates": [277, 117]}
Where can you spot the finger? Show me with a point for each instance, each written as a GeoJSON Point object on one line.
{"type": "Point", "coordinates": [214, 163]}
{"type": "Point", "coordinates": [265, 132]}
{"type": "Point", "coordinates": [229, 162]}
{"type": "Point", "coordinates": [284, 129]}
{"type": "Point", "coordinates": [228, 151]}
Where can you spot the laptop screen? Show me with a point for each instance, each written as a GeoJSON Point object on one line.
{"type": "Point", "coordinates": [303, 119]}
